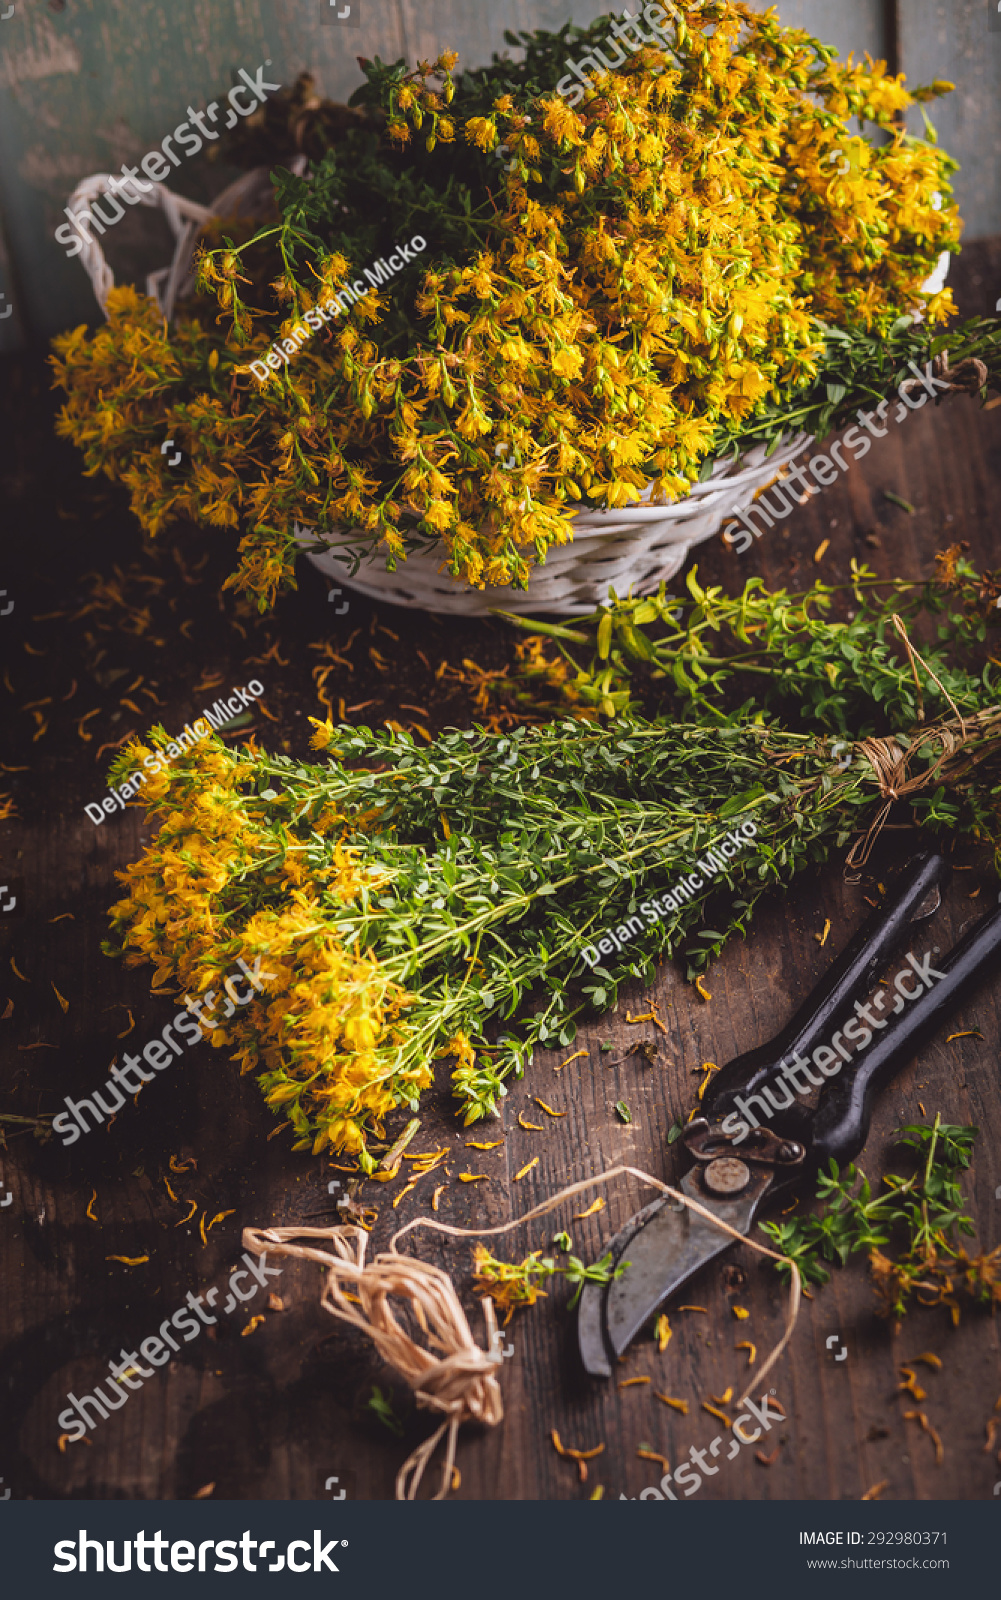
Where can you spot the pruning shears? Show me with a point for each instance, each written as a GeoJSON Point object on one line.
{"type": "Point", "coordinates": [748, 1146]}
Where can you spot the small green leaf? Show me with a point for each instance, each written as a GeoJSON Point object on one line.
{"type": "Point", "coordinates": [623, 1111]}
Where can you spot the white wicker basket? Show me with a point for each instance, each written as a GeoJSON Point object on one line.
{"type": "Point", "coordinates": [635, 548]}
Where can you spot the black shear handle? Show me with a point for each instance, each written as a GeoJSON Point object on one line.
{"type": "Point", "coordinates": [841, 1124]}
{"type": "Point", "coordinates": [852, 974]}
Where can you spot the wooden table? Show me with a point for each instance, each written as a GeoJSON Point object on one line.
{"type": "Point", "coordinates": [278, 1410]}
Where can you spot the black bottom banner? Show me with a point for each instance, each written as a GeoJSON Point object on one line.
{"type": "Point", "coordinates": [509, 1549]}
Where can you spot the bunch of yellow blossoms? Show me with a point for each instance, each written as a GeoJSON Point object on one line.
{"type": "Point", "coordinates": [643, 271]}
{"type": "Point", "coordinates": [326, 1030]}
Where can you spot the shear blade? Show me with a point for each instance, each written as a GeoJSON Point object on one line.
{"type": "Point", "coordinates": [664, 1246]}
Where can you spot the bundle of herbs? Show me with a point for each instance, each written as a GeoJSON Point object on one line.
{"type": "Point", "coordinates": [692, 254]}
{"type": "Point", "coordinates": [413, 902]}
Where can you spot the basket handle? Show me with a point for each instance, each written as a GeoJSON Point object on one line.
{"type": "Point", "coordinates": [186, 219]}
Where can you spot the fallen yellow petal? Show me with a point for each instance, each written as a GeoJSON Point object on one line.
{"type": "Point", "coordinates": [527, 1168]}
{"type": "Point", "coordinates": [745, 1344]}
{"type": "Point", "coordinates": [716, 1412]}
{"type": "Point", "coordinates": [61, 998]}
{"type": "Point", "coordinates": [473, 1177]}
{"type": "Point", "coordinates": [679, 1405]}
{"type": "Point", "coordinates": [740, 1313]}
{"type": "Point", "coordinates": [128, 1261]}
{"type": "Point", "coordinates": [530, 1127]}
{"type": "Point", "coordinates": [566, 1063]}
{"type": "Point", "coordinates": [662, 1333]}
{"type": "Point", "coordinates": [549, 1109]}
{"type": "Point", "coordinates": [876, 1490]}
{"type": "Point", "coordinates": [930, 1360]}
{"type": "Point", "coordinates": [596, 1205]}
{"type": "Point", "coordinates": [255, 1322]}
{"type": "Point", "coordinates": [701, 987]}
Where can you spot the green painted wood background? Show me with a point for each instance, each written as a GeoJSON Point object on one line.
{"type": "Point", "coordinates": [86, 85]}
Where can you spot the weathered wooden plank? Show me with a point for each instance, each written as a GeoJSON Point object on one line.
{"type": "Point", "coordinates": [950, 39]}
{"type": "Point", "coordinates": [278, 1412]}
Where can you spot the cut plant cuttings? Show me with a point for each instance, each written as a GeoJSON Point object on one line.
{"type": "Point", "coordinates": [921, 1216]}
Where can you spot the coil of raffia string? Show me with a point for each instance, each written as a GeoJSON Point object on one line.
{"type": "Point", "coordinates": [459, 1378]}
{"type": "Point", "coordinates": [461, 1381]}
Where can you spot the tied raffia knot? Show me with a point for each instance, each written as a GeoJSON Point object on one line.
{"type": "Point", "coordinates": [968, 376]}
{"type": "Point", "coordinates": [890, 762]}
{"type": "Point", "coordinates": [451, 1373]}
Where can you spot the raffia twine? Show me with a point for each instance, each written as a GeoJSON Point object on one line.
{"type": "Point", "coordinates": [891, 762]}
{"type": "Point", "coordinates": [969, 376]}
{"type": "Point", "coordinates": [451, 1373]}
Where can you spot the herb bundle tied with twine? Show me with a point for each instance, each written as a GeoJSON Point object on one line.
{"type": "Point", "coordinates": [421, 902]}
